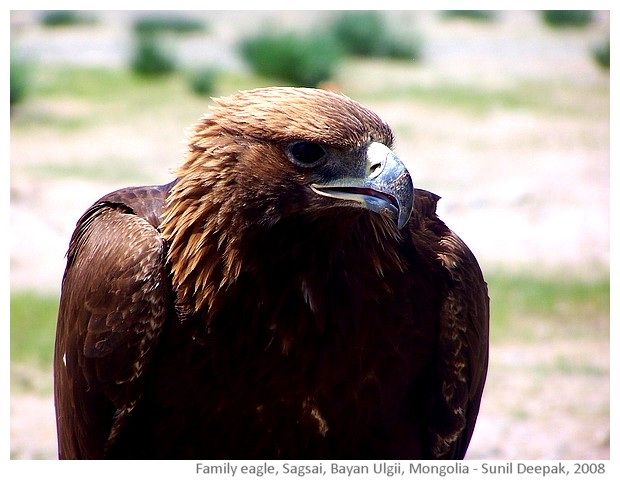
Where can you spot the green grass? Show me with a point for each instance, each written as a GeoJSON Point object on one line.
{"type": "Point", "coordinates": [124, 168]}
{"type": "Point", "coordinates": [109, 96]}
{"type": "Point", "coordinates": [476, 100]}
{"type": "Point", "coordinates": [72, 99]}
{"type": "Point", "coordinates": [361, 81]}
{"type": "Point", "coordinates": [114, 87]}
{"type": "Point", "coordinates": [469, 97]}
{"type": "Point", "coordinates": [69, 99]}
{"type": "Point", "coordinates": [33, 327]}
{"type": "Point", "coordinates": [92, 83]}
{"type": "Point", "coordinates": [524, 305]}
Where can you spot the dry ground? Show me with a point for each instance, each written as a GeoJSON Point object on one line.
{"type": "Point", "coordinates": [526, 188]}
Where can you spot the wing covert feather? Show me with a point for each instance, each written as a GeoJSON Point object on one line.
{"type": "Point", "coordinates": [459, 371]}
{"type": "Point", "coordinates": [463, 340]}
{"type": "Point", "coordinates": [113, 305]}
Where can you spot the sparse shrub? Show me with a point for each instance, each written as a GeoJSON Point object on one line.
{"type": "Point", "coordinates": [153, 54]}
{"type": "Point", "coordinates": [151, 57]}
{"type": "Point", "coordinates": [360, 33]}
{"type": "Point", "coordinates": [62, 18]}
{"type": "Point", "coordinates": [203, 81]}
{"type": "Point", "coordinates": [567, 18]}
{"type": "Point", "coordinates": [301, 60]}
{"type": "Point", "coordinates": [168, 24]}
{"type": "Point", "coordinates": [367, 34]}
{"type": "Point", "coordinates": [476, 15]}
{"type": "Point", "coordinates": [19, 80]}
{"type": "Point", "coordinates": [405, 48]}
{"type": "Point", "coordinates": [601, 55]}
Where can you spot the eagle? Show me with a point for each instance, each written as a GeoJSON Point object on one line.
{"type": "Point", "coordinates": [289, 295]}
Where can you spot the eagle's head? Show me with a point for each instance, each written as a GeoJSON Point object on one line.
{"type": "Point", "coordinates": [269, 155]}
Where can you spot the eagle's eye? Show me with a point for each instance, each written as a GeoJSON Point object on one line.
{"type": "Point", "coordinates": [306, 154]}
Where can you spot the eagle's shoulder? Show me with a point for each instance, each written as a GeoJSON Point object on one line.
{"type": "Point", "coordinates": [114, 301]}
{"type": "Point", "coordinates": [146, 202]}
{"type": "Point", "coordinates": [461, 362]}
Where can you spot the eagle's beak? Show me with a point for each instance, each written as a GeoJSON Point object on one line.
{"type": "Point", "coordinates": [385, 188]}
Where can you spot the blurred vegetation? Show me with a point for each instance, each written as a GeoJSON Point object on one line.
{"type": "Point", "coordinates": [168, 24]}
{"type": "Point", "coordinates": [64, 18]}
{"type": "Point", "coordinates": [19, 79]}
{"type": "Point", "coordinates": [96, 85]}
{"type": "Point", "coordinates": [114, 93]}
{"type": "Point", "coordinates": [368, 34]}
{"type": "Point", "coordinates": [524, 305]}
{"type": "Point", "coordinates": [295, 58]}
{"type": "Point", "coordinates": [476, 15]}
{"type": "Point", "coordinates": [152, 57]}
{"type": "Point", "coordinates": [106, 94]}
{"type": "Point", "coordinates": [567, 18]}
{"type": "Point", "coordinates": [203, 81]}
{"type": "Point", "coordinates": [298, 59]}
{"type": "Point", "coordinates": [311, 58]}
{"type": "Point", "coordinates": [124, 168]}
{"type": "Point", "coordinates": [601, 54]}
{"type": "Point", "coordinates": [33, 327]}
{"type": "Point", "coordinates": [153, 54]}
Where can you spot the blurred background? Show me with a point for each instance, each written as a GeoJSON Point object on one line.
{"type": "Point", "coordinates": [505, 114]}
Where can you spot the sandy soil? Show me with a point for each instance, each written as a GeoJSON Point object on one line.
{"type": "Point", "coordinates": [525, 188]}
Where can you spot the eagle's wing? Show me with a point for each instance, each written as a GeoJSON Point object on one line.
{"type": "Point", "coordinates": [114, 301]}
{"type": "Point", "coordinates": [460, 367]}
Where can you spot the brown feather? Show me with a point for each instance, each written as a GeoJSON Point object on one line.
{"type": "Point", "coordinates": [113, 298]}
{"type": "Point", "coordinates": [235, 313]}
